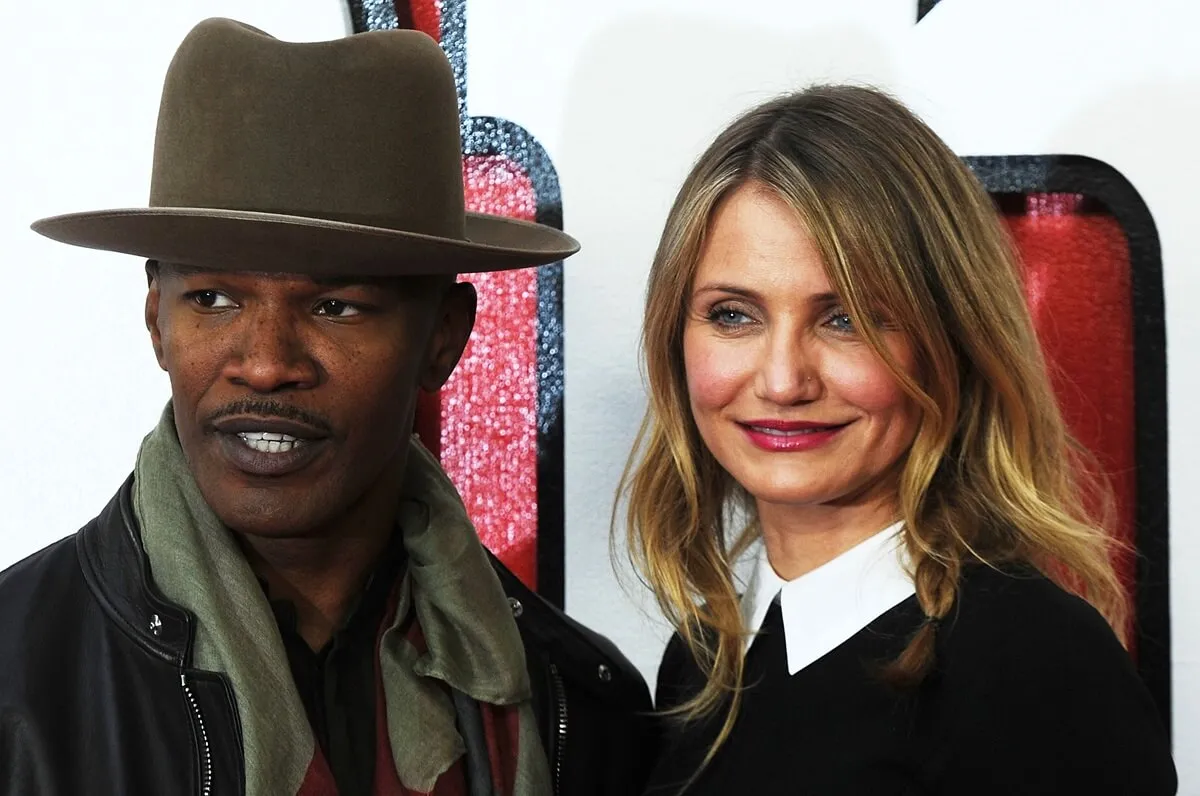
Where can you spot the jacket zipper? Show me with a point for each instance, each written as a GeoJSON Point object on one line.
{"type": "Point", "coordinates": [560, 698]}
{"type": "Point", "coordinates": [206, 771]}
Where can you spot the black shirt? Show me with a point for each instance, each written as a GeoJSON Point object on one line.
{"type": "Point", "coordinates": [337, 684]}
{"type": "Point", "coordinates": [1031, 694]}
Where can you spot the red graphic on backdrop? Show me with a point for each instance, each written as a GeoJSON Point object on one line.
{"type": "Point", "coordinates": [484, 423]}
{"type": "Point", "coordinates": [1077, 279]}
{"type": "Point", "coordinates": [489, 406]}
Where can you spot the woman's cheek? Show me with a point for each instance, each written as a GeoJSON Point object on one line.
{"type": "Point", "coordinates": [717, 370]}
{"type": "Point", "coordinates": [861, 379]}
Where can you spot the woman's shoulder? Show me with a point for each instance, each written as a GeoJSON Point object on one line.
{"type": "Point", "coordinates": [1014, 611]}
{"type": "Point", "coordinates": [1017, 645]}
{"type": "Point", "coordinates": [679, 675]}
{"type": "Point", "coordinates": [1032, 674]}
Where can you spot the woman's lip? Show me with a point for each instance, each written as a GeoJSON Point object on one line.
{"type": "Point", "coordinates": [803, 437]}
{"type": "Point", "coordinates": [789, 425]}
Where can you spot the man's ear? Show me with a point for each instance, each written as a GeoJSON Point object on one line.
{"type": "Point", "coordinates": [153, 278]}
{"type": "Point", "coordinates": [451, 330]}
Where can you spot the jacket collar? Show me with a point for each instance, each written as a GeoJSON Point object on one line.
{"type": "Point", "coordinates": [116, 568]}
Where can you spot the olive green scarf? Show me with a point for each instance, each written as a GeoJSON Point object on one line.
{"type": "Point", "coordinates": [473, 642]}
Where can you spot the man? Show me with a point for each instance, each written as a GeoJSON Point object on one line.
{"type": "Point", "coordinates": [287, 596]}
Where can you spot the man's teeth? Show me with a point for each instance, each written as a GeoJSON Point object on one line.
{"type": "Point", "coordinates": [268, 442]}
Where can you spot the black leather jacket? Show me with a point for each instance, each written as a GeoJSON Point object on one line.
{"type": "Point", "coordinates": [98, 696]}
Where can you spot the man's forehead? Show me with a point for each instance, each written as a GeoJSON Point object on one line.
{"type": "Point", "coordinates": [323, 280]}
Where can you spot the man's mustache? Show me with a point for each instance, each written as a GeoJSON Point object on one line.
{"type": "Point", "coordinates": [268, 409]}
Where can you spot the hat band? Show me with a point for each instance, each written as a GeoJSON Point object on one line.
{"type": "Point", "coordinates": [449, 229]}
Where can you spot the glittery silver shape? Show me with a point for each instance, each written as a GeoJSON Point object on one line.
{"type": "Point", "coordinates": [374, 15]}
{"type": "Point", "coordinates": [551, 376]}
{"type": "Point", "coordinates": [1009, 175]}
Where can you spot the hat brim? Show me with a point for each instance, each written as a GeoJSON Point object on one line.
{"type": "Point", "coordinates": [236, 240]}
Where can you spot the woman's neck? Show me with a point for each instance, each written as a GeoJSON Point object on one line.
{"type": "Point", "coordinates": [801, 538]}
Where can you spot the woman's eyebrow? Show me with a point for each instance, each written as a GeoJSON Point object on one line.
{"type": "Point", "coordinates": [748, 293]}
{"type": "Point", "coordinates": [724, 287]}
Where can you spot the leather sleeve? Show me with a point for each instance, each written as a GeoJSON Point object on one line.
{"type": "Point", "coordinates": [24, 770]}
{"type": "Point", "coordinates": [593, 706]}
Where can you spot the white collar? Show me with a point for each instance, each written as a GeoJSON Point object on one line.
{"type": "Point", "coordinates": [825, 607]}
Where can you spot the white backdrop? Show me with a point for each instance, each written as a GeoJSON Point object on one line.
{"type": "Point", "coordinates": [623, 94]}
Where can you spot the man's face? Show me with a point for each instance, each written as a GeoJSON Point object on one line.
{"type": "Point", "coordinates": [294, 396]}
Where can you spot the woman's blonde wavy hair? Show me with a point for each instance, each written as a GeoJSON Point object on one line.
{"type": "Point", "coordinates": [992, 476]}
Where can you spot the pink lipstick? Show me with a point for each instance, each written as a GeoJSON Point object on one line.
{"type": "Point", "coordinates": [783, 436]}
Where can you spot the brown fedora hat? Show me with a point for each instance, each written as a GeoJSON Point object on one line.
{"type": "Point", "coordinates": [341, 156]}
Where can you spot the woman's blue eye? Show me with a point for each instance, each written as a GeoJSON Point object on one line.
{"type": "Point", "coordinates": [724, 316]}
{"type": "Point", "coordinates": [840, 322]}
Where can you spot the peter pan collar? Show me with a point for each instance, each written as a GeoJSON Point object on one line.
{"type": "Point", "coordinates": [823, 608]}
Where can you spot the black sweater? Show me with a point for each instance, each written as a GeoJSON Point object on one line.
{"type": "Point", "coordinates": [1031, 694]}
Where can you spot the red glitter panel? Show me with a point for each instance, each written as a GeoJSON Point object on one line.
{"type": "Point", "coordinates": [1078, 283]}
{"type": "Point", "coordinates": [427, 17]}
{"type": "Point", "coordinates": [489, 406]}
{"type": "Point", "coordinates": [483, 423]}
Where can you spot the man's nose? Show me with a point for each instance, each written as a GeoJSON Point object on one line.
{"type": "Point", "coordinates": [271, 354]}
{"type": "Point", "coordinates": [788, 370]}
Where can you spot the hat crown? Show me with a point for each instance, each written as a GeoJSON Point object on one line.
{"type": "Point", "coordinates": [362, 130]}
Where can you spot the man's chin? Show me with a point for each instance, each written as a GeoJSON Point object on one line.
{"type": "Point", "coordinates": [275, 511]}
{"type": "Point", "coordinates": [264, 525]}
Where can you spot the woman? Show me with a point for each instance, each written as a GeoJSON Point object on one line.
{"type": "Point", "coordinates": [838, 350]}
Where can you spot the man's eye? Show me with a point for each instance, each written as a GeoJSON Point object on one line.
{"type": "Point", "coordinates": [211, 299]}
{"type": "Point", "coordinates": [334, 308]}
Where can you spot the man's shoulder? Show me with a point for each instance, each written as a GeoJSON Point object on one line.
{"type": "Point", "coordinates": [585, 656]}
{"type": "Point", "coordinates": [48, 600]}
{"type": "Point", "coordinates": [36, 578]}
{"type": "Point", "coordinates": [579, 673]}
{"type": "Point", "coordinates": [41, 605]}
{"type": "Point", "coordinates": [59, 568]}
